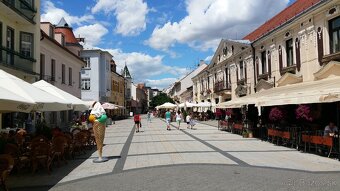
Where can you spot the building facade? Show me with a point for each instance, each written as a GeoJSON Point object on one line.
{"type": "Point", "coordinates": [181, 90]}
{"type": "Point", "coordinates": [19, 45]}
{"type": "Point", "coordinates": [96, 75]}
{"type": "Point", "coordinates": [60, 67]}
{"type": "Point", "coordinates": [117, 90]}
{"type": "Point", "coordinates": [298, 45]}
{"type": "Point", "coordinates": [229, 68]}
{"type": "Point", "coordinates": [19, 38]}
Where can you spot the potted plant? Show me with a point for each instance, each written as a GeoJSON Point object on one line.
{"type": "Point", "coordinates": [250, 133]}
{"type": "Point", "coordinates": [276, 115]}
{"type": "Point", "coordinates": [245, 134]}
{"type": "Point", "coordinates": [303, 112]}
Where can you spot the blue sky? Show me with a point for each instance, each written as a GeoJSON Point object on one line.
{"type": "Point", "coordinates": [160, 41]}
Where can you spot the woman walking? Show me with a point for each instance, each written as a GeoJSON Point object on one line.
{"type": "Point", "coordinates": [178, 119]}
{"type": "Point", "coordinates": [168, 120]}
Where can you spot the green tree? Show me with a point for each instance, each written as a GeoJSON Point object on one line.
{"type": "Point", "coordinates": [160, 99]}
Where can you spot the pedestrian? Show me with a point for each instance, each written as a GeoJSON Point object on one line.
{"type": "Point", "coordinates": [149, 116]}
{"type": "Point", "coordinates": [137, 119]}
{"type": "Point", "coordinates": [168, 119]}
{"type": "Point", "coordinates": [188, 119]}
{"type": "Point", "coordinates": [178, 119]}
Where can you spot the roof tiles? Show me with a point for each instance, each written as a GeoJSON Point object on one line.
{"type": "Point", "coordinates": [290, 12]}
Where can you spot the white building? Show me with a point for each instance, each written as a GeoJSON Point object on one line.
{"type": "Point", "coordinates": [96, 75]}
{"type": "Point", "coordinates": [60, 66]}
{"type": "Point", "coordinates": [181, 90]}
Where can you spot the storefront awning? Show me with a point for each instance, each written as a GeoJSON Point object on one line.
{"type": "Point", "coordinates": [320, 91]}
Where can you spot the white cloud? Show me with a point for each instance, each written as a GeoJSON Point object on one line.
{"type": "Point", "coordinates": [210, 20]}
{"type": "Point", "coordinates": [89, 28]}
{"type": "Point", "coordinates": [53, 15]}
{"type": "Point", "coordinates": [208, 58]}
{"type": "Point", "coordinates": [92, 33]}
{"type": "Point", "coordinates": [144, 67]}
{"type": "Point", "coordinates": [130, 14]}
{"type": "Point", "coordinates": [160, 83]}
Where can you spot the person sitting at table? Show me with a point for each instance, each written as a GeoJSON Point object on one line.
{"type": "Point", "coordinates": [330, 129]}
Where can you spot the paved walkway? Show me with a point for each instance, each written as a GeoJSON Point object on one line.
{"type": "Point", "coordinates": [202, 150]}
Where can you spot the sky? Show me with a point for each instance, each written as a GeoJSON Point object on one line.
{"type": "Point", "coordinates": [160, 40]}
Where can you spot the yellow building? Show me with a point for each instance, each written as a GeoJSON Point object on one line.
{"type": "Point", "coordinates": [19, 42]}
{"type": "Point", "coordinates": [117, 93]}
{"type": "Point", "coordinates": [20, 38]}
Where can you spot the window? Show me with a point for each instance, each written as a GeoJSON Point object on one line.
{"type": "Point", "coordinates": [70, 76]}
{"type": "Point", "coordinates": [63, 73]}
{"type": "Point", "coordinates": [226, 76]}
{"type": "Point", "coordinates": [42, 66]}
{"type": "Point", "coordinates": [26, 44]}
{"type": "Point", "coordinates": [52, 70]}
{"type": "Point", "coordinates": [62, 40]}
{"type": "Point", "coordinates": [27, 4]}
{"type": "Point", "coordinates": [263, 62]}
{"type": "Point", "coordinates": [88, 62]}
{"type": "Point", "coordinates": [51, 31]}
{"type": "Point", "coordinates": [241, 70]}
{"type": "Point", "coordinates": [289, 52]}
{"type": "Point", "coordinates": [85, 84]}
{"type": "Point", "coordinates": [79, 80]}
{"type": "Point", "coordinates": [1, 41]}
{"type": "Point", "coordinates": [334, 35]}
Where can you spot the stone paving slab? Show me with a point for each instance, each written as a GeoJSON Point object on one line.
{"type": "Point", "coordinates": [154, 146]}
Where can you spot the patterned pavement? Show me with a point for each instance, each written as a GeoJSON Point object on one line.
{"type": "Point", "coordinates": [155, 148]}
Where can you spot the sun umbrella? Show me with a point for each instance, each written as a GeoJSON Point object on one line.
{"type": "Point", "coordinates": [107, 105]}
{"type": "Point", "coordinates": [167, 105]}
{"type": "Point", "coordinates": [9, 101]}
{"type": "Point", "coordinates": [77, 103]}
{"type": "Point", "coordinates": [44, 101]}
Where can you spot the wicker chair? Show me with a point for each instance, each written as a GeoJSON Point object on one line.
{"type": "Point", "coordinates": [6, 166]}
{"type": "Point", "coordinates": [21, 160]}
{"type": "Point", "coordinates": [59, 145]}
{"type": "Point", "coordinates": [41, 153]}
{"type": "Point", "coordinates": [79, 142]}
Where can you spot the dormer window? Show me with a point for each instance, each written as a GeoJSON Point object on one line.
{"type": "Point", "coordinates": [51, 31]}
{"type": "Point", "coordinates": [62, 40]}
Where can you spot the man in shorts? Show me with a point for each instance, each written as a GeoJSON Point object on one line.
{"type": "Point", "coordinates": [137, 120]}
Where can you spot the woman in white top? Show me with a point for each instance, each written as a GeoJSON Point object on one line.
{"type": "Point", "coordinates": [188, 119]}
{"type": "Point", "coordinates": [178, 119]}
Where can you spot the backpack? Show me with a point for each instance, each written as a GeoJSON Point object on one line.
{"type": "Point", "coordinates": [136, 118]}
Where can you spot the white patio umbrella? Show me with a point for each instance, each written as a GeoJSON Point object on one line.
{"type": "Point", "coordinates": [188, 104]}
{"type": "Point", "coordinates": [181, 105]}
{"type": "Point", "coordinates": [204, 104]}
{"type": "Point", "coordinates": [107, 105]}
{"type": "Point", "coordinates": [44, 100]}
{"type": "Point", "coordinates": [78, 104]}
{"type": "Point", "coordinates": [167, 105]}
{"type": "Point", "coordinates": [9, 102]}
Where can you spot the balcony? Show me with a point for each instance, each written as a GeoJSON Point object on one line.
{"type": "Point", "coordinates": [221, 86]}
{"type": "Point", "coordinates": [47, 78]}
{"type": "Point", "coordinates": [331, 57]}
{"type": "Point", "coordinates": [262, 77]}
{"type": "Point", "coordinates": [288, 69]}
{"type": "Point", "coordinates": [21, 8]}
{"type": "Point", "coordinates": [16, 60]}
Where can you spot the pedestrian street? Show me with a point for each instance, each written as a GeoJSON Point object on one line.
{"type": "Point", "coordinates": [154, 148]}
